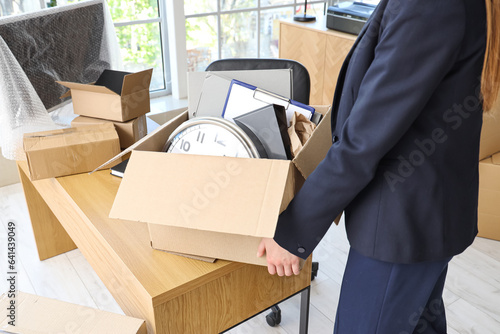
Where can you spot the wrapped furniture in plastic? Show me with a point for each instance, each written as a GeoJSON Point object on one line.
{"type": "Point", "coordinates": [69, 43]}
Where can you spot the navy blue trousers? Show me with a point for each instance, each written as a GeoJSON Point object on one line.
{"type": "Point", "coordinates": [389, 298]}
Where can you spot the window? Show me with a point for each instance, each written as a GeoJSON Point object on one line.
{"type": "Point", "coordinates": [12, 7]}
{"type": "Point", "coordinates": [217, 29]}
{"type": "Point", "coordinates": [214, 29]}
{"type": "Point", "coordinates": [139, 28]}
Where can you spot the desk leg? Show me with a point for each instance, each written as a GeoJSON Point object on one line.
{"type": "Point", "coordinates": [51, 238]}
{"type": "Point", "coordinates": [305, 298]}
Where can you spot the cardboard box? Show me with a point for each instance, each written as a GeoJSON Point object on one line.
{"type": "Point", "coordinates": [128, 132]}
{"type": "Point", "coordinates": [35, 315]}
{"type": "Point", "coordinates": [489, 197]}
{"type": "Point", "coordinates": [490, 134]}
{"type": "Point", "coordinates": [116, 96]}
{"type": "Point", "coordinates": [495, 158]}
{"type": "Point", "coordinates": [217, 207]}
{"type": "Point", "coordinates": [69, 151]}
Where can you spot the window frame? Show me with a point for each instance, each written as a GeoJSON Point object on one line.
{"type": "Point", "coordinates": [258, 8]}
{"type": "Point", "coordinates": [176, 20]}
{"type": "Point", "coordinates": [164, 28]}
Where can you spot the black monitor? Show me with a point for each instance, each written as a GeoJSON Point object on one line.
{"type": "Point", "coordinates": [62, 43]}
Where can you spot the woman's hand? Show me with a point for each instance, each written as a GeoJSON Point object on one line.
{"type": "Point", "coordinates": [279, 260]}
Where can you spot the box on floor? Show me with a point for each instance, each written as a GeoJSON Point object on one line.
{"type": "Point", "coordinates": [129, 132]}
{"type": "Point", "coordinates": [489, 198]}
{"type": "Point", "coordinates": [33, 314]}
{"type": "Point", "coordinates": [490, 134]}
{"type": "Point", "coordinates": [70, 151]}
{"type": "Point", "coordinates": [217, 207]}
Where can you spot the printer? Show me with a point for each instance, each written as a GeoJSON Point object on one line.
{"type": "Point", "coordinates": [349, 17]}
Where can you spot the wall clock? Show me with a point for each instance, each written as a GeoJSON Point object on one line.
{"type": "Point", "coordinates": [212, 136]}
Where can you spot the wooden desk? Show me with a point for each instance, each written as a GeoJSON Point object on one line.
{"type": "Point", "coordinates": [321, 50]}
{"type": "Point", "coordinates": [172, 293]}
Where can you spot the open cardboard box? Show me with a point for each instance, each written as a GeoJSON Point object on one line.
{"type": "Point", "coordinates": [217, 207]}
{"type": "Point", "coordinates": [489, 196]}
{"type": "Point", "coordinates": [115, 96]}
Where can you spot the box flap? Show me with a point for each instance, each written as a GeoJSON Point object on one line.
{"type": "Point", "coordinates": [317, 146]}
{"type": "Point", "coordinates": [113, 80]}
{"type": "Point", "coordinates": [232, 247]}
{"type": "Point", "coordinates": [84, 120]}
{"type": "Point", "coordinates": [86, 87]}
{"type": "Point", "coordinates": [136, 82]}
{"type": "Point", "coordinates": [217, 187]}
{"type": "Point", "coordinates": [35, 315]}
{"type": "Point", "coordinates": [154, 141]}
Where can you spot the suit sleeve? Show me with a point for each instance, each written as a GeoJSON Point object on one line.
{"type": "Point", "coordinates": [419, 41]}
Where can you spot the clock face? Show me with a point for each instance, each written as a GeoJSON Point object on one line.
{"type": "Point", "coordinates": [210, 136]}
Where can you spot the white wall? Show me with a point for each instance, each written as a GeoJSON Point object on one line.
{"type": "Point", "coordinates": [8, 171]}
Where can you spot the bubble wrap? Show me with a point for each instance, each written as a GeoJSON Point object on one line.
{"type": "Point", "coordinates": [21, 110]}
{"type": "Point", "coordinates": [68, 43]}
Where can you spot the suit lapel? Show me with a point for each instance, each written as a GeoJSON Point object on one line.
{"type": "Point", "coordinates": [341, 78]}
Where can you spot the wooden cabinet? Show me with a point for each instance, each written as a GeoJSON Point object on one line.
{"type": "Point", "coordinates": [320, 50]}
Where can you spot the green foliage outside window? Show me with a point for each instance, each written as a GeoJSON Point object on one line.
{"type": "Point", "coordinates": [140, 43]}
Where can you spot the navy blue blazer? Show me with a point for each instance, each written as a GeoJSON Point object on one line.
{"type": "Point", "coordinates": [406, 124]}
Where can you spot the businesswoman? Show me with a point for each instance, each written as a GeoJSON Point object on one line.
{"type": "Point", "coordinates": [403, 165]}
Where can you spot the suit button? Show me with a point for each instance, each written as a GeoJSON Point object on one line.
{"type": "Point", "coordinates": [335, 139]}
{"type": "Point", "coordinates": [301, 250]}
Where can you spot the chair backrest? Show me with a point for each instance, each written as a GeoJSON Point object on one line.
{"type": "Point", "coordinates": [301, 83]}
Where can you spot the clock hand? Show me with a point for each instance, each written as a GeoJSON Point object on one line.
{"type": "Point", "coordinates": [220, 142]}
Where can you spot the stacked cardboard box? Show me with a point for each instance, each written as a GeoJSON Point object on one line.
{"type": "Point", "coordinates": [489, 178]}
{"type": "Point", "coordinates": [69, 151]}
{"type": "Point", "coordinates": [129, 132]}
{"type": "Point", "coordinates": [118, 97]}
{"type": "Point", "coordinates": [489, 197]}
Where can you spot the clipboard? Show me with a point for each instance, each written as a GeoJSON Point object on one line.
{"type": "Point", "coordinates": [205, 89]}
{"type": "Point", "coordinates": [243, 98]}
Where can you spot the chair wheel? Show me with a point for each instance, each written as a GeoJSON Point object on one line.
{"type": "Point", "coordinates": [274, 318]}
{"type": "Point", "coordinates": [314, 270]}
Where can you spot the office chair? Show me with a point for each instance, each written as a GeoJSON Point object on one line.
{"type": "Point", "coordinates": [301, 83]}
{"type": "Point", "coordinates": [301, 87]}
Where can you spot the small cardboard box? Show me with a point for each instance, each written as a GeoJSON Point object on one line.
{"type": "Point", "coordinates": [115, 96]}
{"type": "Point", "coordinates": [33, 314]}
{"type": "Point", "coordinates": [69, 151]}
{"type": "Point", "coordinates": [218, 207]}
{"type": "Point", "coordinates": [489, 198]}
{"type": "Point", "coordinates": [128, 132]}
